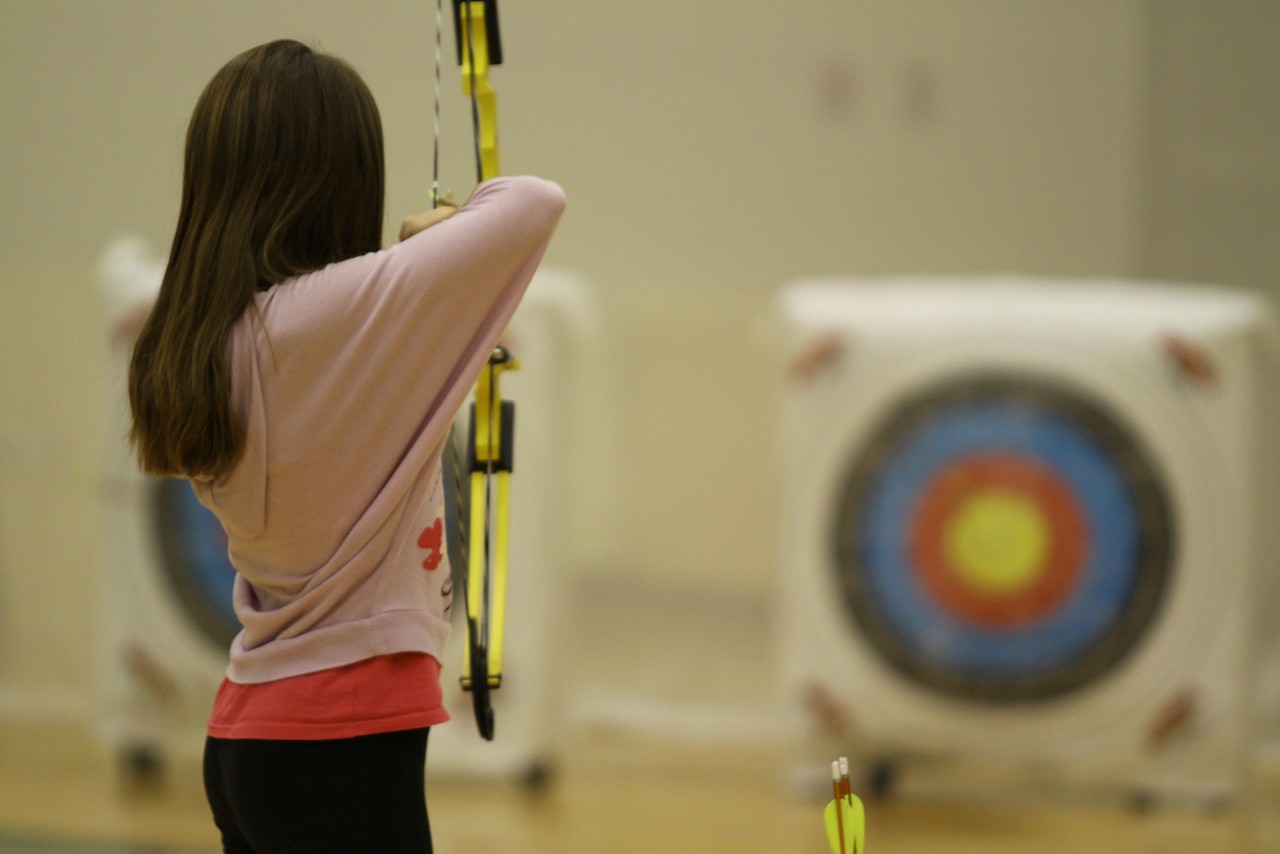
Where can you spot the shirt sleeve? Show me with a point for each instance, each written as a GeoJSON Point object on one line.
{"type": "Point", "coordinates": [371, 358]}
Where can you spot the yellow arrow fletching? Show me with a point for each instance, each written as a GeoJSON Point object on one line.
{"type": "Point", "coordinates": [846, 815]}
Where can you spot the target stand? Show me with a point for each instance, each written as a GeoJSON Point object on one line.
{"type": "Point", "coordinates": [1020, 525]}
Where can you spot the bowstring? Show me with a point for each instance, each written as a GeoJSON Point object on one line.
{"type": "Point", "coordinates": [461, 471]}
{"type": "Point", "coordinates": [435, 155]}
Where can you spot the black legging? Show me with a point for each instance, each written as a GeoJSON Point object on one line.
{"type": "Point", "coordinates": [348, 795]}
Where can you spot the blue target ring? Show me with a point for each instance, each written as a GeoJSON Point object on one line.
{"type": "Point", "coordinates": [193, 557]}
{"type": "Point", "coordinates": [1122, 550]}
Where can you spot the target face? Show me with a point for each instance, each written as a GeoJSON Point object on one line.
{"type": "Point", "coordinates": [193, 560]}
{"type": "Point", "coordinates": [1003, 538]}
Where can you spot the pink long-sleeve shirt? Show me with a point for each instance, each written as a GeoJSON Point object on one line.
{"type": "Point", "coordinates": [348, 380]}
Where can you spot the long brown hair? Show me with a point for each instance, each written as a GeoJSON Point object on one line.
{"type": "Point", "coordinates": [283, 174]}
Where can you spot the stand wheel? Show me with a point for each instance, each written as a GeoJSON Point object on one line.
{"type": "Point", "coordinates": [141, 766]}
{"type": "Point", "coordinates": [882, 779]}
{"type": "Point", "coordinates": [538, 776]}
{"type": "Point", "coordinates": [1142, 802]}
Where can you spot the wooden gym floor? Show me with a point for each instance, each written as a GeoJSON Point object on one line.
{"type": "Point", "coordinates": [59, 792]}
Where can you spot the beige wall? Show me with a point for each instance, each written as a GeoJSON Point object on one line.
{"type": "Point", "coordinates": [710, 151]}
{"type": "Point", "coordinates": [1212, 167]}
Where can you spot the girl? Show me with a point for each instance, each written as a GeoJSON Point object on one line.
{"type": "Point", "coordinates": [305, 382]}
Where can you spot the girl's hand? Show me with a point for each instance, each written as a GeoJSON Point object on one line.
{"type": "Point", "coordinates": [421, 222]}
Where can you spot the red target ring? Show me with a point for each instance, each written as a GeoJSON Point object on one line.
{"type": "Point", "coordinates": [998, 540]}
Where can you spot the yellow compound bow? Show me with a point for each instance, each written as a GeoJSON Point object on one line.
{"type": "Point", "coordinates": [491, 432]}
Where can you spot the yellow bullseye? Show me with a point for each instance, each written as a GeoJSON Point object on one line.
{"type": "Point", "coordinates": [998, 541]}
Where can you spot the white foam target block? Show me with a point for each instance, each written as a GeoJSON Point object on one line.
{"type": "Point", "coordinates": [1022, 519]}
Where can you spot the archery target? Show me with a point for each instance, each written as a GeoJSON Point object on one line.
{"type": "Point", "coordinates": [1014, 527]}
{"type": "Point", "coordinates": [1002, 538]}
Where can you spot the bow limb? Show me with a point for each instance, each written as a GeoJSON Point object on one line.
{"type": "Point", "coordinates": [491, 459]}
{"type": "Point", "coordinates": [479, 48]}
